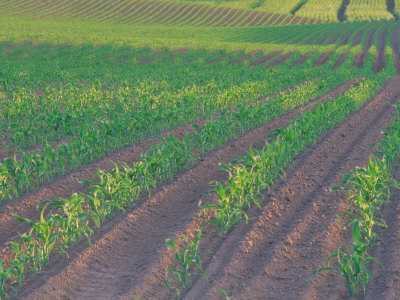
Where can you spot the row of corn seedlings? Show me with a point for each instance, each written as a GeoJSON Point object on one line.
{"type": "Point", "coordinates": [368, 191]}
{"type": "Point", "coordinates": [250, 175]}
{"type": "Point", "coordinates": [29, 169]}
{"type": "Point", "coordinates": [64, 222]}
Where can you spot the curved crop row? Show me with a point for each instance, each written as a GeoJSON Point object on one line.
{"type": "Point", "coordinates": [150, 12]}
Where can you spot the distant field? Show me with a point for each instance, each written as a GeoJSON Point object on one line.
{"type": "Point", "coordinates": [367, 10]}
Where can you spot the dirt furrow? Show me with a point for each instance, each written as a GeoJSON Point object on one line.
{"type": "Point", "coordinates": [244, 57]}
{"type": "Point", "coordinates": [280, 60]}
{"type": "Point", "coordinates": [304, 58]}
{"type": "Point", "coordinates": [272, 20]}
{"type": "Point", "coordinates": [297, 228]}
{"type": "Point", "coordinates": [380, 57]}
{"type": "Point", "coordinates": [323, 58]}
{"type": "Point", "coordinates": [218, 59]}
{"type": "Point", "coordinates": [347, 37]}
{"type": "Point", "coordinates": [118, 259]}
{"type": "Point", "coordinates": [258, 18]}
{"type": "Point", "coordinates": [361, 56]}
{"type": "Point", "coordinates": [249, 19]}
{"type": "Point", "coordinates": [385, 283]}
{"type": "Point", "coordinates": [230, 15]}
{"type": "Point", "coordinates": [394, 42]}
{"type": "Point", "coordinates": [241, 18]}
{"type": "Point", "coordinates": [341, 59]}
{"type": "Point", "coordinates": [263, 59]}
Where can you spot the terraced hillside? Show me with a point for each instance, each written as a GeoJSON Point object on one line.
{"type": "Point", "coordinates": [161, 149]}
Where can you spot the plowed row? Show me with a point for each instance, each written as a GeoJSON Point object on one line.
{"type": "Point", "coordinates": [152, 12]}
{"type": "Point", "coordinates": [274, 254]}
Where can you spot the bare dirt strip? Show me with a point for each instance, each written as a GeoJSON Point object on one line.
{"type": "Point", "coordinates": [265, 58]}
{"type": "Point", "coordinates": [244, 57]}
{"type": "Point", "coordinates": [265, 19]}
{"type": "Point", "coordinates": [280, 60]}
{"type": "Point", "coordinates": [323, 58]}
{"type": "Point", "coordinates": [385, 283]}
{"type": "Point", "coordinates": [358, 38]}
{"type": "Point", "coordinates": [341, 59]}
{"type": "Point", "coordinates": [218, 59]}
{"type": "Point", "coordinates": [287, 21]}
{"type": "Point", "coordinates": [304, 21]}
{"type": "Point", "coordinates": [380, 56]}
{"type": "Point", "coordinates": [394, 42]}
{"type": "Point", "coordinates": [230, 15]}
{"type": "Point", "coordinates": [296, 20]}
{"type": "Point", "coordinates": [304, 58]}
{"type": "Point", "coordinates": [361, 56]}
{"type": "Point", "coordinates": [256, 20]}
{"type": "Point", "coordinates": [272, 20]}
{"type": "Point", "coordinates": [241, 18]}
{"type": "Point", "coordinates": [274, 255]}
{"type": "Point", "coordinates": [280, 20]}
{"type": "Point", "coordinates": [128, 248]}
{"type": "Point", "coordinates": [347, 37]}
{"type": "Point", "coordinates": [249, 19]}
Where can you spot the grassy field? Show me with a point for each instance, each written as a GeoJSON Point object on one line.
{"type": "Point", "coordinates": [199, 149]}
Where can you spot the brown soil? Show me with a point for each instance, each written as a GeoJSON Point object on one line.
{"type": "Point", "coordinates": [304, 20]}
{"type": "Point", "coordinates": [211, 16]}
{"type": "Point", "coordinates": [168, 12]}
{"type": "Point", "coordinates": [341, 59]}
{"type": "Point", "coordinates": [287, 21]}
{"type": "Point", "coordinates": [346, 39]}
{"type": "Point", "coordinates": [256, 20]}
{"type": "Point", "coordinates": [244, 57]}
{"type": "Point", "coordinates": [390, 7]}
{"type": "Point", "coordinates": [263, 59]}
{"type": "Point", "coordinates": [296, 20]}
{"type": "Point", "coordinates": [192, 13]}
{"type": "Point", "coordinates": [238, 20]}
{"type": "Point", "coordinates": [311, 21]}
{"type": "Point", "coordinates": [319, 21]}
{"type": "Point", "coordinates": [358, 38]}
{"type": "Point", "coordinates": [394, 41]}
{"type": "Point", "coordinates": [218, 59]}
{"type": "Point", "coordinates": [170, 17]}
{"type": "Point", "coordinates": [184, 14]}
{"type": "Point", "coordinates": [220, 16]}
{"type": "Point", "coordinates": [280, 20]}
{"type": "Point", "coordinates": [380, 57]}
{"type": "Point", "coordinates": [157, 13]}
{"type": "Point", "coordinates": [202, 15]}
{"type": "Point", "coordinates": [265, 19]}
{"type": "Point", "coordinates": [361, 56]}
{"type": "Point", "coordinates": [249, 19]}
{"type": "Point", "coordinates": [323, 58]}
{"type": "Point", "coordinates": [309, 41]}
{"type": "Point", "coordinates": [296, 228]}
{"type": "Point", "coordinates": [138, 13]}
{"type": "Point", "coordinates": [272, 20]}
{"type": "Point", "coordinates": [127, 11]}
{"type": "Point", "coordinates": [385, 283]}
{"type": "Point", "coordinates": [303, 59]}
{"type": "Point", "coordinates": [280, 60]}
{"type": "Point", "coordinates": [326, 36]}
{"type": "Point", "coordinates": [230, 15]}
{"type": "Point", "coordinates": [123, 251]}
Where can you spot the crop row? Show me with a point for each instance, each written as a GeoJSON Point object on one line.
{"type": "Point", "coordinates": [67, 221]}
{"type": "Point", "coordinates": [250, 175]}
{"type": "Point", "coordinates": [367, 10]}
{"type": "Point", "coordinates": [323, 10]}
{"type": "Point", "coordinates": [368, 191]}
{"type": "Point", "coordinates": [148, 12]}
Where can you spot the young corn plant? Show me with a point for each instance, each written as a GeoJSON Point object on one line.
{"type": "Point", "coordinates": [188, 258]}
{"type": "Point", "coordinates": [351, 262]}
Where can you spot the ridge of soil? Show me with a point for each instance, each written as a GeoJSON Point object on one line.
{"type": "Point", "coordinates": [303, 58]}
{"type": "Point", "coordinates": [244, 57]}
{"type": "Point", "coordinates": [341, 59]}
{"type": "Point", "coordinates": [280, 60]}
{"type": "Point", "coordinates": [380, 58]}
{"type": "Point", "coordinates": [297, 230]}
{"type": "Point", "coordinates": [342, 11]}
{"type": "Point", "coordinates": [263, 59]}
{"type": "Point", "coordinates": [218, 59]}
{"type": "Point", "coordinates": [385, 283]}
{"type": "Point", "coordinates": [361, 56]}
{"type": "Point", "coordinates": [257, 19]}
{"type": "Point", "coordinates": [323, 58]}
{"type": "Point", "coordinates": [394, 42]}
{"type": "Point", "coordinates": [128, 247]}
